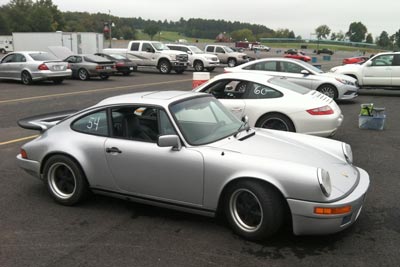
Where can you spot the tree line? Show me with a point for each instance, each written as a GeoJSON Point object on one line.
{"type": "Point", "coordinates": [44, 16]}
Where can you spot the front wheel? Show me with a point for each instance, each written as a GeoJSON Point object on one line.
{"type": "Point", "coordinates": [26, 78]}
{"type": "Point", "coordinates": [254, 210]}
{"type": "Point", "coordinates": [2, 51]}
{"type": "Point", "coordinates": [328, 90]}
{"type": "Point", "coordinates": [276, 121]}
{"type": "Point", "coordinates": [198, 65]}
{"type": "Point", "coordinates": [164, 66]}
{"type": "Point", "coordinates": [231, 62]}
{"type": "Point", "coordinates": [65, 180]}
{"type": "Point", "coordinates": [83, 75]}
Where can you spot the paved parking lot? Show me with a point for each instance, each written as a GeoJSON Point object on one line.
{"type": "Point", "coordinates": [35, 231]}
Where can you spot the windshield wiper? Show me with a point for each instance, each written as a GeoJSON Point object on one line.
{"type": "Point", "coordinates": [243, 126]}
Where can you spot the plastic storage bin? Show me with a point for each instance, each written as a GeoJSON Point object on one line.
{"type": "Point", "coordinates": [371, 122]}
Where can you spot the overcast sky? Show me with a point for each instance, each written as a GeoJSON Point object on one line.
{"type": "Point", "coordinates": [301, 16]}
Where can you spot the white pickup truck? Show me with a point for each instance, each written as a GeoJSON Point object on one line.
{"type": "Point", "coordinates": [153, 54]}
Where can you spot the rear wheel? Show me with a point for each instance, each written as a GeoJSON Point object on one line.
{"type": "Point", "coordinates": [198, 65]}
{"type": "Point", "coordinates": [276, 121]}
{"type": "Point", "coordinates": [254, 210]}
{"type": "Point", "coordinates": [83, 75]}
{"type": "Point", "coordinates": [3, 51]}
{"type": "Point", "coordinates": [231, 62]}
{"type": "Point", "coordinates": [126, 73]}
{"type": "Point", "coordinates": [210, 68]}
{"type": "Point", "coordinates": [164, 66]}
{"type": "Point", "coordinates": [26, 78]}
{"type": "Point", "coordinates": [65, 180]}
{"type": "Point", "coordinates": [104, 76]}
{"type": "Point", "coordinates": [328, 90]}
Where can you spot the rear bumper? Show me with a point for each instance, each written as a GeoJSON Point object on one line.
{"type": "Point", "coordinates": [306, 222]}
{"type": "Point", "coordinates": [30, 166]}
{"type": "Point", "coordinates": [48, 75]}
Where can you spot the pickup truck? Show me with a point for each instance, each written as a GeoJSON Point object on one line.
{"type": "Point", "coordinates": [153, 54]}
{"type": "Point", "coordinates": [382, 70]}
{"type": "Point", "coordinates": [226, 55]}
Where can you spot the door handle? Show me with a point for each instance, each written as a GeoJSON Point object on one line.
{"type": "Point", "coordinates": [113, 150]}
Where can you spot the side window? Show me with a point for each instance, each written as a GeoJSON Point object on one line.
{"type": "Point", "coordinates": [135, 47]}
{"type": "Point", "coordinates": [8, 59]}
{"type": "Point", "coordinates": [135, 122]}
{"type": "Point", "coordinates": [78, 59]}
{"type": "Point", "coordinates": [71, 59]}
{"type": "Point", "coordinates": [94, 123]}
{"type": "Point", "coordinates": [259, 91]}
{"type": "Point", "coordinates": [210, 48]}
{"type": "Point", "coordinates": [265, 66]}
{"type": "Point", "coordinates": [383, 60]}
{"type": "Point", "coordinates": [19, 58]}
{"type": "Point", "coordinates": [146, 47]}
{"type": "Point", "coordinates": [290, 67]}
{"type": "Point", "coordinates": [396, 60]}
{"type": "Point", "coordinates": [219, 50]}
{"type": "Point", "coordinates": [165, 124]}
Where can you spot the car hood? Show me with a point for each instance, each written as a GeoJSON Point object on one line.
{"type": "Point", "coordinates": [348, 67]}
{"type": "Point", "coordinates": [298, 149]}
{"type": "Point", "coordinates": [337, 75]}
{"type": "Point", "coordinates": [172, 52]}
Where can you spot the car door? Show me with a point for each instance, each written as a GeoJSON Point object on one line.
{"type": "Point", "coordinates": [13, 66]}
{"type": "Point", "coordinates": [396, 70]}
{"type": "Point", "coordinates": [147, 54]}
{"type": "Point", "coordinates": [292, 72]}
{"type": "Point", "coordinates": [73, 63]}
{"type": "Point", "coordinates": [6, 64]}
{"type": "Point", "coordinates": [141, 168]}
{"type": "Point", "coordinates": [221, 54]}
{"type": "Point", "coordinates": [378, 71]}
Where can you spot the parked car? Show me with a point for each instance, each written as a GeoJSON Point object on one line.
{"type": "Point", "coordinates": [275, 103]}
{"type": "Point", "coordinates": [333, 85]}
{"type": "Point", "coordinates": [291, 51]}
{"type": "Point", "coordinates": [33, 66]}
{"type": "Point", "coordinates": [382, 70]}
{"type": "Point", "coordinates": [123, 64]}
{"type": "Point", "coordinates": [260, 47]}
{"type": "Point", "coordinates": [299, 56]}
{"type": "Point", "coordinates": [186, 151]}
{"type": "Point", "coordinates": [86, 66]}
{"type": "Point", "coordinates": [354, 60]}
{"type": "Point", "coordinates": [198, 59]}
{"type": "Point", "coordinates": [226, 55]}
{"type": "Point", "coordinates": [324, 51]}
{"type": "Point", "coordinates": [237, 49]}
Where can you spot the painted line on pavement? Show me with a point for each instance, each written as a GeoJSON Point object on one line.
{"type": "Point", "coordinates": [89, 91]}
{"type": "Point", "coordinates": [18, 140]}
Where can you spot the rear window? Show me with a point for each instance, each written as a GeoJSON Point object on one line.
{"type": "Point", "coordinates": [42, 56]}
{"type": "Point", "coordinates": [289, 85]}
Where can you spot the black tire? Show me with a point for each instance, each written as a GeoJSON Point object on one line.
{"type": "Point", "coordinates": [104, 76]}
{"type": "Point", "coordinates": [58, 81]}
{"type": "Point", "coordinates": [276, 121]}
{"type": "Point", "coordinates": [210, 68]}
{"type": "Point", "coordinates": [3, 51]}
{"type": "Point", "coordinates": [164, 66]}
{"type": "Point", "coordinates": [231, 62]}
{"type": "Point", "coordinates": [198, 65]}
{"type": "Point", "coordinates": [329, 90]}
{"type": "Point", "coordinates": [126, 73]}
{"type": "Point", "coordinates": [254, 210]}
{"type": "Point", "coordinates": [83, 75]}
{"type": "Point", "coordinates": [65, 180]}
{"type": "Point", "coordinates": [26, 78]}
{"type": "Point", "coordinates": [179, 71]}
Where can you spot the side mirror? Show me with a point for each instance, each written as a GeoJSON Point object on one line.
{"type": "Point", "coordinates": [368, 63]}
{"type": "Point", "coordinates": [169, 141]}
{"type": "Point", "coordinates": [189, 52]}
{"type": "Point", "coordinates": [245, 119]}
{"type": "Point", "coordinates": [305, 72]}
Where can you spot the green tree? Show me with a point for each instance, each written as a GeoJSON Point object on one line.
{"type": "Point", "coordinates": [357, 32]}
{"type": "Point", "coordinates": [333, 36]}
{"type": "Point", "coordinates": [369, 39]}
{"type": "Point", "coordinates": [242, 35]}
{"type": "Point", "coordinates": [397, 39]}
{"type": "Point", "coordinates": [151, 30]}
{"type": "Point", "coordinates": [383, 40]}
{"type": "Point", "coordinates": [4, 27]}
{"type": "Point", "coordinates": [322, 31]}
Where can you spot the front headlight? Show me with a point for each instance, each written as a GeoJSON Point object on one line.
{"type": "Point", "coordinates": [172, 57]}
{"type": "Point", "coordinates": [344, 81]}
{"type": "Point", "coordinates": [324, 181]}
{"type": "Point", "coordinates": [347, 152]}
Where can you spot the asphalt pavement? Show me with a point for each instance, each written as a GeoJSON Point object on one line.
{"type": "Point", "coordinates": [35, 231]}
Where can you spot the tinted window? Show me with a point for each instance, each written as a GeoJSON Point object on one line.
{"type": "Point", "coordinates": [259, 91]}
{"type": "Point", "coordinates": [219, 50]}
{"type": "Point", "coordinates": [19, 58]}
{"type": "Point", "coordinates": [8, 59]}
{"type": "Point", "coordinates": [265, 66]}
{"type": "Point", "coordinates": [291, 67]}
{"type": "Point", "coordinates": [210, 49]}
{"type": "Point", "coordinates": [135, 47]}
{"type": "Point", "coordinates": [147, 47]}
{"type": "Point", "coordinates": [289, 85]}
{"type": "Point", "coordinates": [95, 123]}
{"type": "Point", "coordinates": [383, 60]}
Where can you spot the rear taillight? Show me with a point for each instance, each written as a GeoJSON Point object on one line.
{"type": "Point", "coordinates": [98, 67]}
{"type": "Point", "coordinates": [43, 67]}
{"type": "Point", "coordinates": [226, 71]}
{"type": "Point", "coordinates": [24, 155]}
{"type": "Point", "coordinates": [68, 66]}
{"type": "Point", "coordinates": [120, 64]}
{"type": "Point", "coordinates": [325, 110]}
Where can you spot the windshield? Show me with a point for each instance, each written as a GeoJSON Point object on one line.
{"type": "Point", "coordinates": [160, 46]}
{"type": "Point", "coordinates": [309, 66]}
{"type": "Point", "coordinates": [42, 56]}
{"type": "Point", "coordinates": [289, 85]}
{"type": "Point", "coordinates": [204, 120]}
{"type": "Point", "coordinates": [196, 50]}
{"type": "Point", "coordinates": [228, 49]}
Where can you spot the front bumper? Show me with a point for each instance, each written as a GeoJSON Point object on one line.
{"type": "Point", "coordinates": [306, 222]}
{"type": "Point", "coordinates": [30, 166]}
{"type": "Point", "coordinates": [347, 92]}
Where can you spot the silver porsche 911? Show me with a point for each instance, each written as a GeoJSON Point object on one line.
{"type": "Point", "coordinates": [186, 151]}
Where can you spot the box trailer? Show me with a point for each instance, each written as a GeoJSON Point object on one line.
{"type": "Point", "coordinates": [77, 42]}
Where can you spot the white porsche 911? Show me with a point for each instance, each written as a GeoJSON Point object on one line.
{"type": "Point", "coordinates": [275, 103]}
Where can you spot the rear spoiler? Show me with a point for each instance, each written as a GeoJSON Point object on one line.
{"type": "Point", "coordinates": [45, 121]}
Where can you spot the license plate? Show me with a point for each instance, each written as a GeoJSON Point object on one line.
{"type": "Point", "coordinates": [108, 68]}
{"type": "Point", "coordinates": [131, 68]}
{"type": "Point", "coordinates": [57, 67]}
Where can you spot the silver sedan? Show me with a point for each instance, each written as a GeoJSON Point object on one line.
{"type": "Point", "coordinates": [335, 86]}
{"type": "Point", "coordinates": [186, 151]}
{"type": "Point", "coordinates": [31, 66]}
{"type": "Point", "coordinates": [86, 66]}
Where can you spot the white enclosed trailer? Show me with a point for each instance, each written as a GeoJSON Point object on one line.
{"type": "Point", "coordinates": [6, 44]}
